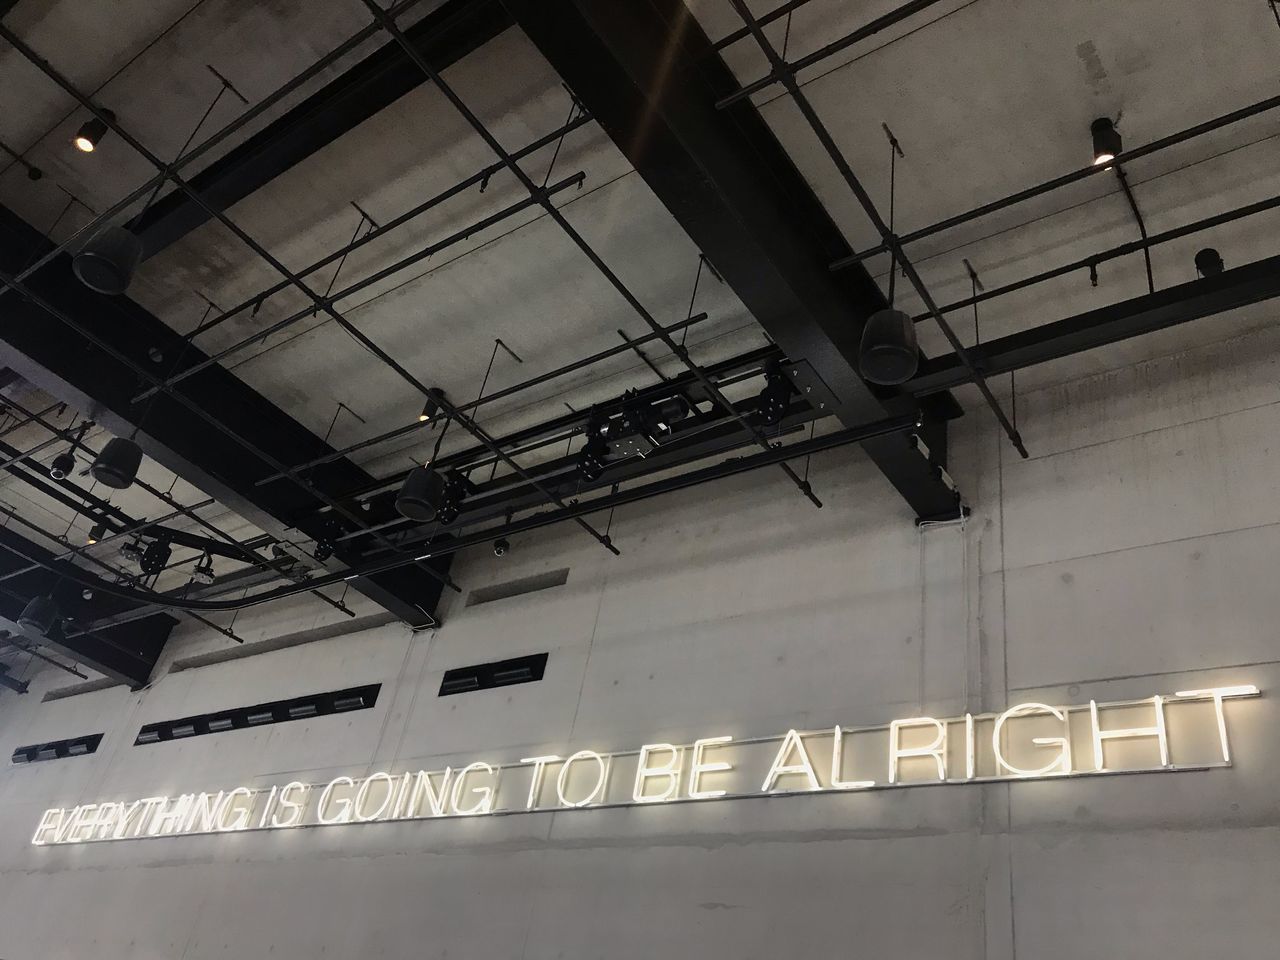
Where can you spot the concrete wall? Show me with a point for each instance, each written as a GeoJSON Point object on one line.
{"type": "Point", "coordinates": [1131, 555]}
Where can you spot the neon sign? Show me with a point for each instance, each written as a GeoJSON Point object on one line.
{"type": "Point", "coordinates": [1029, 741]}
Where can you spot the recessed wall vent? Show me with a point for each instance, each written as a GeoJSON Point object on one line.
{"type": "Point", "coordinates": [75, 747]}
{"type": "Point", "coordinates": [514, 588]}
{"type": "Point", "coordinates": [260, 714]}
{"type": "Point", "coordinates": [484, 676]}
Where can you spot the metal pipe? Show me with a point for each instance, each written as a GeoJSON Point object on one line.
{"type": "Point", "coordinates": [573, 511]}
{"type": "Point", "coordinates": [388, 23]}
{"type": "Point", "coordinates": [321, 303]}
{"type": "Point", "coordinates": [1155, 146]}
{"type": "Point", "coordinates": [343, 251]}
{"type": "Point", "coordinates": [329, 299]}
{"type": "Point", "coordinates": [280, 93]}
{"type": "Point", "coordinates": [868, 205]}
{"type": "Point", "coordinates": [765, 19]}
{"type": "Point", "coordinates": [1134, 246]}
{"type": "Point", "coordinates": [496, 395]}
{"type": "Point", "coordinates": [848, 40]}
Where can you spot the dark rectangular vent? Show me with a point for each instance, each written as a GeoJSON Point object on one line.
{"type": "Point", "coordinates": [75, 747]}
{"type": "Point", "coordinates": [514, 588]}
{"type": "Point", "coordinates": [503, 673]}
{"type": "Point", "coordinates": [261, 714]}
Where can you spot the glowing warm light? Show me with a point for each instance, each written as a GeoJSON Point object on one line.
{"type": "Point", "coordinates": [1131, 733]}
{"type": "Point", "coordinates": [539, 768]}
{"type": "Point", "coordinates": [1103, 158]}
{"type": "Point", "coordinates": [697, 767]}
{"type": "Point", "coordinates": [602, 776]}
{"type": "Point", "coordinates": [645, 772]}
{"type": "Point", "coordinates": [937, 749]}
{"type": "Point", "coordinates": [293, 809]}
{"type": "Point", "coordinates": [1062, 743]}
{"type": "Point", "coordinates": [485, 792]}
{"type": "Point", "coordinates": [1217, 695]}
{"type": "Point", "coordinates": [837, 765]}
{"type": "Point", "coordinates": [83, 144]}
{"type": "Point", "coordinates": [791, 743]}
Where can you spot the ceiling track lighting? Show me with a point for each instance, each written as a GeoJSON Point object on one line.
{"type": "Point", "coordinates": [40, 615]}
{"type": "Point", "coordinates": [97, 532]}
{"type": "Point", "coordinates": [1107, 144]}
{"type": "Point", "coordinates": [92, 131]}
{"type": "Point", "coordinates": [432, 406]}
{"type": "Point", "coordinates": [63, 465]}
{"type": "Point", "coordinates": [117, 465]}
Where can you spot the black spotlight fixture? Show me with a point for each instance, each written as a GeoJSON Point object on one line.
{"type": "Point", "coordinates": [432, 405]}
{"type": "Point", "coordinates": [888, 354]}
{"type": "Point", "coordinates": [63, 465]}
{"type": "Point", "coordinates": [40, 615]}
{"type": "Point", "coordinates": [775, 398]}
{"type": "Point", "coordinates": [422, 494]}
{"type": "Point", "coordinates": [1107, 144]}
{"type": "Point", "coordinates": [203, 572]}
{"type": "Point", "coordinates": [91, 132]}
{"type": "Point", "coordinates": [97, 532]}
{"type": "Point", "coordinates": [117, 464]}
{"type": "Point", "coordinates": [107, 262]}
{"type": "Point", "coordinates": [1209, 262]}
{"type": "Point", "coordinates": [591, 458]}
{"type": "Point", "coordinates": [501, 547]}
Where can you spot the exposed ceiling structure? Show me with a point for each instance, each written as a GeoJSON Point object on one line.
{"type": "Point", "coordinates": [570, 254]}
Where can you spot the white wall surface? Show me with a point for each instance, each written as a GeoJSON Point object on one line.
{"type": "Point", "coordinates": [1132, 554]}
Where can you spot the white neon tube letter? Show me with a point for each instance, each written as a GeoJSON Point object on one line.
{"type": "Point", "coordinates": [242, 811]}
{"type": "Point", "coordinates": [485, 792]}
{"type": "Point", "coordinates": [698, 766]}
{"type": "Point", "coordinates": [344, 810]}
{"type": "Point", "coordinates": [837, 765]}
{"type": "Point", "coordinates": [1218, 694]}
{"type": "Point", "coordinates": [539, 770]}
{"type": "Point", "coordinates": [937, 749]}
{"type": "Point", "coordinates": [436, 799]}
{"type": "Point", "coordinates": [596, 792]}
{"type": "Point", "coordinates": [646, 772]}
{"type": "Point", "coordinates": [362, 795]}
{"type": "Point", "coordinates": [1062, 743]}
{"type": "Point", "coordinates": [791, 743]}
{"type": "Point", "coordinates": [51, 820]}
{"type": "Point", "coordinates": [1129, 733]}
{"type": "Point", "coordinates": [289, 811]}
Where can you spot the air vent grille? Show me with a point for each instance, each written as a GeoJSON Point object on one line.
{"type": "Point", "coordinates": [74, 747]}
{"type": "Point", "coordinates": [484, 676]}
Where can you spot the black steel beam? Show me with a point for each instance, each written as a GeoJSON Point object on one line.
{"type": "Point", "coordinates": [1239, 287]}
{"type": "Point", "coordinates": [651, 78]}
{"type": "Point", "coordinates": [444, 36]}
{"type": "Point", "coordinates": [102, 385]}
{"type": "Point", "coordinates": [125, 653]}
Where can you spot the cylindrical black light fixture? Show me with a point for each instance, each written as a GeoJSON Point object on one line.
{"type": "Point", "coordinates": [96, 533]}
{"type": "Point", "coordinates": [63, 465]}
{"type": "Point", "coordinates": [1106, 140]}
{"type": "Point", "coordinates": [91, 133]}
{"type": "Point", "coordinates": [888, 354]}
{"type": "Point", "coordinates": [422, 494]}
{"type": "Point", "coordinates": [1209, 262]}
{"type": "Point", "coordinates": [117, 464]}
{"type": "Point", "coordinates": [432, 405]}
{"type": "Point", "coordinates": [107, 262]}
{"type": "Point", "coordinates": [40, 615]}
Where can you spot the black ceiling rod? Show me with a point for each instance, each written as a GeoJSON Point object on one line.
{"type": "Point", "coordinates": [831, 49]}
{"type": "Point", "coordinates": [496, 395]}
{"type": "Point", "coordinates": [777, 13]}
{"type": "Point", "coordinates": [465, 422]}
{"type": "Point", "coordinates": [280, 93]}
{"type": "Point", "coordinates": [868, 205]}
{"type": "Point", "coordinates": [1124, 249]}
{"type": "Point", "coordinates": [420, 254]}
{"type": "Point", "coordinates": [248, 555]}
{"type": "Point", "coordinates": [388, 23]}
{"type": "Point", "coordinates": [10, 641]}
{"type": "Point", "coordinates": [1142, 224]}
{"type": "Point", "coordinates": [1048, 186]}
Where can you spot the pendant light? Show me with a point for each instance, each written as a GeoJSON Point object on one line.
{"type": "Point", "coordinates": [107, 262]}
{"type": "Point", "coordinates": [422, 494]}
{"type": "Point", "coordinates": [1107, 144]}
{"type": "Point", "coordinates": [117, 464]}
{"type": "Point", "coordinates": [40, 615]}
{"type": "Point", "coordinates": [91, 132]}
